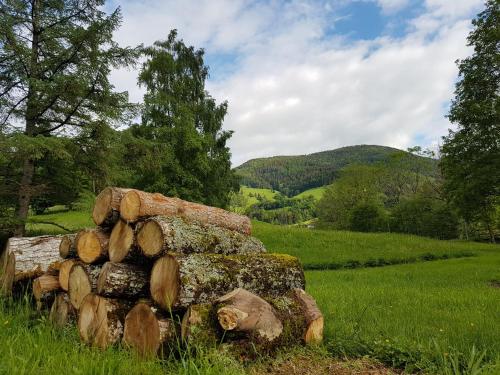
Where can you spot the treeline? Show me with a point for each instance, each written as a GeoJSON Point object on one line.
{"type": "Point", "coordinates": [65, 132]}
{"type": "Point", "coordinates": [292, 175]}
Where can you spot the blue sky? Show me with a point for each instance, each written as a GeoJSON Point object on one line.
{"type": "Point", "coordinates": [303, 76]}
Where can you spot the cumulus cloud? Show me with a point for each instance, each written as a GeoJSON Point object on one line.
{"type": "Point", "coordinates": [296, 89]}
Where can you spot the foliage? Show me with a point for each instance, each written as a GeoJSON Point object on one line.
{"type": "Point", "coordinates": [368, 217]}
{"type": "Point", "coordinates": [471, 154]}
{"type": "Point", "coordinates": [55, 58]}
{"type": "Point", "coordinates": [180, 148]}
{"type": "Point", "coordinates": [292, 175]}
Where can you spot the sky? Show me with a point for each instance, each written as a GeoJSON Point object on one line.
{"type": "Point", "coordinates": [307, 76]}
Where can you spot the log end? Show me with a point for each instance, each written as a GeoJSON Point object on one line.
{"type": "Point", "coordinates": [314, 332]}
{"type": "Point", "coordinates": [103, 275]}
{"type": "Point", "coordinates": [88, 246]}
{"type": "Point", "coordinates": [130, 206]}
{"type": "Point", "coordinates": [79, 285]}
{"type": "Point", "coordinates": [164, 283]}
{"type": "Point", "coordinates": [150, 238]}
{"type": "Point", "coordinates": [65, 246]}
{"type": "Point", "coordinates": [120, 241]}
{"type": "Point", "coordinates": [87, 318]}
{"type": "Point", "coordinates": [142, 332]}
{"type": "Point", "coordinates": [102, 206]}
{"type": "Point", "coordinates": [64, 273]}
{"type": "Point", "coordinates": [61, 312]}
{"type": "Point", "coordinates": [44, 284]}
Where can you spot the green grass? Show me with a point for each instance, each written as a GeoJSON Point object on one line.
{"type": "Point", "coordinates": [316, 193]}
{"type": "Point", "coordinates": [267, 193]}
{"type": "Point", "coordinates": [426, 316]}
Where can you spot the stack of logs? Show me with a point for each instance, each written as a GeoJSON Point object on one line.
{"type": "Point", "coordinates": [160, 272]}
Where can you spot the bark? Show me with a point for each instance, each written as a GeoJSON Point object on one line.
{"type": "Point", "coordinates": [178, 280]}
{"type": "Point", "coordinates": [123, 280]}
{"type": "Point", "coordinates": [199, 327]}
{"type": "Point", "coordinates": [82, 281]}
{"type": "Point", "coordinates": [67, 247]}
{"type": "Point", "coordinates": [138, 204]}
{"type": "Point", "coordinates": [149, 332]}
{"type": "Point", "coordinates": [160, 235]}
{"type": "Point", "coordinates": [101, 320]}
{"type": "Point", "coordinates": [27, 258]}
{"type": "Point", "coordinates": [45, 289]}
{"type": "Point", "coordinates": [122, 243]}
{"type": "Point", "coordinates": [107, 206]}
{"type": "Point", "coordinates": [64, 271]}
{"type": "Point", "coordinates": [92, 245]}
{"type": "Point", "coordinates": [62, 311]}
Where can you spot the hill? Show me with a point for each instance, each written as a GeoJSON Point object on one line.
{"type": "Point", "coordinates": [292, 175]}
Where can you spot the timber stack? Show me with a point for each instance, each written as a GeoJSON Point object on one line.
{"type": "Point", "coordinates": [159, 271]}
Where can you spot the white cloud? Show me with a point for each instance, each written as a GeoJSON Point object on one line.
{"type": "Point", "coordinates": [295, 91]}
{"type": "Point", "coordinates": [390, 6]}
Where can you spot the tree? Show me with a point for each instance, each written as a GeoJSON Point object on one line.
{"type": "Point", "coordinates": [181, 145]}
{"type": "Point", "coordinates": [471, 154]}
{"type": "Point", "coordinates": [55, 57]}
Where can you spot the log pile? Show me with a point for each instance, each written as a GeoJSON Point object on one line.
{"type": "Point", "coordinates": [158, 273]}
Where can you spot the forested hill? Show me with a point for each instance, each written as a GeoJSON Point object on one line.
{"type": "Point", "coordinates": [294, 174]}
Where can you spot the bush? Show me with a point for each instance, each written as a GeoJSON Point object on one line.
{"type": "Point", "coordinates": [368, 217]}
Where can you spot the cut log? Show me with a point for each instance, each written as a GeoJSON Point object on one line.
{"type": "Point", "coordinates": [45, 289]}
{"type": "Point", "coordinates": [82, 281]}
{"type": "Point", "coordinates": [92, 245]}
{"type": "Point", "coordinates": [62, 311]}
{"type": "Point", "coordinates": [293, 317]}
{"type": "Point", "coordinates": [67, 247]}
{"type": "Point", "coordinates": [138, 204]}
{"type": "Point", "coordinates": [101, 320]}
{"type": "Point", "coordinates": [28, 257]}
{"type": "Point", "coordinates": [160, 235]}
{"type": "Point", "coordinates": [122, 243]}
{"type": "Point", "coordinates": [123, 280]}
{"type": "Point", "coordinates": [199, 326]}
{"type": "Point", "coordinates": [149, 332]}
{"type": "Point", "coordinates": [243, 311]}
{"type": "Point", "coordinates": [64, 272]}
{"type": "Point", "coordinates": [178, 280]}
{"type": "Point", "coordinates": [107, 206]}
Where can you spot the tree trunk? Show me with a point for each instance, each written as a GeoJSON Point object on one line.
{"type": "Point", "coordinates": [82, 281]}
{"type": "Point", "coordinates": [107, 206]}
{"type": "Point", "coordinates": [64, 271]}
{"type": "Point", "coordinates": [148, 332]}
{"type": "Point", "coordinates": [101, 320]}
{"type": "Point", "coordinates": [62, 311]}
{"type": "Point", "coordinates": [123, 280]}
{"type": "Point", "coordinates": [24, 196]}
{"type": "Point", "coordinates": [27, 258]}
{"type": "Point", "coordinates": [160, 235]}
{"type": "Point", "coordinates": [289, 319]}
{"type": "Point", "coordinates": [92, 245]}
{"type": "Point", "coordinates": [178, 281]}
{"type": "Point", "coordinates": [45, 289]}
{"type": "Point", "coordinates": [67, 247]}
{"type": "Point", "coordinates": [122, 243]}
{"type": "Point", "coordinates": [138, 204]}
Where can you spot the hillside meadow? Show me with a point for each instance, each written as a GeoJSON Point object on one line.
{"type": "Point", "coordinates": [412, 303]}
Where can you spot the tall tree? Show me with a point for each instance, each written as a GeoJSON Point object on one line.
{"type": "Point", "coordinates": [180, 142]}
{"type": "Point", "coordinates": [55, 58]}
{"type": "Point", "coordinates": [471, 154]}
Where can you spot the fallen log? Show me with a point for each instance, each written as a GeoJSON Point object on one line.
{"type": "Point", "coordinates": [123, 280]}
{"type": "Point", "coordinates": [161, 234]}
{"type": "Point", "coordinates": [179, 280]}
{"type": "Point", "coordinates": [107, 206]}
{"type": "Point", "coordinates": [92, 245]}
{"type": "Point", "coordinates": [148, 331]}
{"type": "Point", "coordinates": [64, 270]}
{"type": "Point", "coordinates": [291, 318]}
{"type": "Point", "coordinates": [101, 320]}
{"type": "Point", "coordinates": [82, 281]}
{"type": "Point", "coordinates": [122, 243]}
{"type": "Point", "coordinates": [45, 289]}
{"type": "Point", "coordinates": [67, 247]}
{"type": "Point", "coordinates": [138, 204]}
{"type": "Point", "coordinates": [62, 311]}
{"type": "Point", "coordinates": [26, 258]}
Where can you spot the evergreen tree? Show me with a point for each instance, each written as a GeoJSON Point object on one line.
{"type": "Point", "coordinates": [55, 57]}
{"type": "Point", "coordinates": [471, 154]}
{"type": "Point", "coordinates": [180, 146]}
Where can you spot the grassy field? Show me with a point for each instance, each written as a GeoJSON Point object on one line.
{"type": "Point", "coordinates": [247, 191]}
{"type": "Point", "coordinates": [439, 316]}
{"type": "Point", "coordinates": [317, 193]}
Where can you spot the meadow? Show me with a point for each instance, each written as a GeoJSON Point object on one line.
{"type": "Point", "coordinates": [438, 313]}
